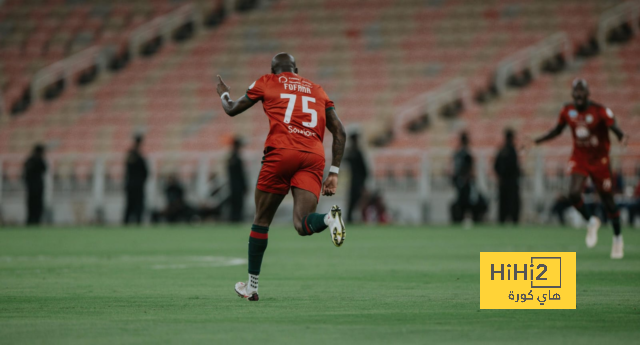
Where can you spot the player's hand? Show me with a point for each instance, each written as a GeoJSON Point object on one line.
{"type": "Point", "coordinates": [526, 144]}
{"type": "Point", "coordinates": [624, 141]}
{"type": "Point", "coordinates": [330, 185]}
{"type": "Point", "coordinates": [222, 87]}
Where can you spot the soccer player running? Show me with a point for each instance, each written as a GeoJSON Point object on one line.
{"type": "Point", "coordinates": [298, 110]}
{"type": "Point", "coordinates": [590, 124]}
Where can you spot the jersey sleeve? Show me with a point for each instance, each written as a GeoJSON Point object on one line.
{"type": "Point", "coordinates": [328, 104]}
{"type": "Point", "coordinates": [255, 92]}
{"type": "Point", "coordinates": [607, 116]}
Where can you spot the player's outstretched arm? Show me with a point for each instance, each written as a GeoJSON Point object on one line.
{"type": "Point", "coordinates": [334, 125]}
{"type": "Point", "coordinates": [619, 134]}
{"type": "Point", "coordinates": [551, 134]}
{"type": "Point", "coordinates": [232, 108]}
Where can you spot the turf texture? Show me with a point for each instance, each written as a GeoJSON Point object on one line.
{"type": "Point", "coordinates": [386, 285]}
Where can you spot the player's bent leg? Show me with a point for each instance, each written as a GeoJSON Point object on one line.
{"type": "Point", "coordinates": [592, 231]}
{"type": "Point", "coordinates": [575, 197]}
{"type": "Point", "coordinates": [617, 247]}
{"type": "Point", "coordinates": [307, 222]}
{"type": "Point", "coordinates": [266, 207]}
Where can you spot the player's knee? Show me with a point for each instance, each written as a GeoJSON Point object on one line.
{"type": "Point", "coordinates": [297, 224]}
{"type": "Point", "coordinates": [299, 229]}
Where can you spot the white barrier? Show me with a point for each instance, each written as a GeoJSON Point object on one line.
{"type": "Point", "coordinates": [422, 197]}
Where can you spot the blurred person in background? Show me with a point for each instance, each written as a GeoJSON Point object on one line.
{"type": "Point", "coordinates": [374, 209]}
{"type": "Point", "coordinates": [136, 175]}
{"type": "Point", "coordinates": [560, 205]}
{"type": "Point", "coordinates": [212, 207]}
{"type": "Point", "coordinates": [237, 182]}
{"type": "Point", "coordinates": [463, 176]}
{"type": "Point", "coordinates": [507, 169]}
{"type": "Point", "coordinates": [34, 169]}
{"type": "Point", "coordinates": [177, 209]}
{"type": "Point", "coordinates": [359, 173]}
{"type": "Point", "coordinates": [618, 182]}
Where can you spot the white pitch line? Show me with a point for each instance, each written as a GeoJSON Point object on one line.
{"type": "Point", "coordinates": [159, 261]}
{"type": "Point", "coordinates": [222, 263]}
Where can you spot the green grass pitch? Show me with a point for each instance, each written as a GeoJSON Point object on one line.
{"type": "Point", "coordinates": [386, 285]}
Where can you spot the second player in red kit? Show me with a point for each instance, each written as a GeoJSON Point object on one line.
{"type": "Point", "coordinates": [590, 124]}
{"type": "Point", "coordinates": [590, 131]}
{"type": "Point", "coordinates": [298, 111]}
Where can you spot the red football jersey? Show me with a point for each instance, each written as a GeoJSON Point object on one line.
{"type": "Point", "coordinates": [296, 109]}
{"type": "Point", "coordinates": [590, 130]}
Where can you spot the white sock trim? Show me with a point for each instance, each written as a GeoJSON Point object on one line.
{"type": "Point", "coordinates": [327, 219]}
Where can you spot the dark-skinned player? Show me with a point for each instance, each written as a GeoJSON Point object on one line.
{"type": "Point", "coordinates": [298, 111]}
{"type": "Point", "coordinates": [590, 124]}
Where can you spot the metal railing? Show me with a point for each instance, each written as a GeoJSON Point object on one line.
{"type": "Point", "coordinates": [163, 26]}
{"type": "Point", "coordinates": [532, 57]}
{"type": "Point", "coordinates": [429, 103]}
{"type": "Point", "coordinates": [99, 55]}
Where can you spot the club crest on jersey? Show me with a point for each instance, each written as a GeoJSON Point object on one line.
{"type": "Point", "coordinates": [573, 114]}
{"type": "Point", "coordinates": [283, 79]}
{"type": "Point", "coordinates": [609, 113]}
{"type": "Point", "coordinates": [589, 118]}
{"type": "Point", "coordinates": [582, 132]}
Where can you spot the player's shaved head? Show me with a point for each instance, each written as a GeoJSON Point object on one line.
{"type": "Point", "coordinates": [580, 93]}
{"type": "Point", "coordinates": [283, 62]}
{"type": "Point", "coordinates": [580, 83]}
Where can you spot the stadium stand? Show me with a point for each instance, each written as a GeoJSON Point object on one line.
{"type": "Point", "coordinates": [373, 57]}
{"type": "Point", "coordinates": [38, 33]}
{"type": "Point", "coordinates": [396, 50]}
